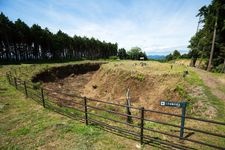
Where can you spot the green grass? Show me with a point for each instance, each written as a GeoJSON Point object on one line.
{"type": "Point", "coordinates": [182, 91]}
{"type": "Point", "coordinates": [24, 124]}
{"type": "Point", "coordinates": [216, 102]}
{"type": "Point", "coordinates": [194, 79]}
{"type": "Point", "coordinates": [151, 67]}
{"type": "Point", "coordinates": [139, 77]}
{"type": "Point", "coordinates": [209, 100]}
{"type": "Point", "coordinates": [38, 127]}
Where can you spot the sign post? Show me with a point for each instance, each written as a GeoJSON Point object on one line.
{"type": "Point", "coordinates": [181, 105]}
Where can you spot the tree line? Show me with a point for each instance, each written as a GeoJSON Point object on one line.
{"type": "Point", "coordinates": [19, 42]}
{"type": "Point", "coordinates": [135, 53]}
{"type": "Point", "coordinates": [209, 41]}
{"type": "Point", "coordinates": [176, 55]}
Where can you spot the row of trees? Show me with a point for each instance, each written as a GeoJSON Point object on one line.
{"type": "Point", "coordinates": [19, 42]}
{"type": "Point", "coordinates": [176, 55]}
{"type": "Point", "coordinates": [209, 42]}
{"type": "Point", "coordinates": [135, 54]}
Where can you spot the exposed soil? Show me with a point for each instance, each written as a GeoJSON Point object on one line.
{"type": "Point", "coordinates": [73, 84]}
{"type": "Point", "coordinates": [97, 82]}
{"type": "Point", "coordinates": [112, 86]}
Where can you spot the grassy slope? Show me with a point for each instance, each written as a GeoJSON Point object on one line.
{"type": "Point", "coordinates": [193, 79]}
{"type": "Point", "coordinates": [26, 125]}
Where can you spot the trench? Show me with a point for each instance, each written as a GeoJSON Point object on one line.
{"type": "Point", "coordinates": [55, 74]}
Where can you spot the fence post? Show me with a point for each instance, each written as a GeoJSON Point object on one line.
{"type": "Point", "coordinates": [142, 111]}
{"type": "Point", "coordinates": [184, 105]}
{"type": "Point", "coordinates": [85, 110]}
{"type": "Point", "coordinates": [42, 96]}
{"type": "Point", "coordinates": [15, 82]}
{"type": "Point", "coordinates": [25, 88]}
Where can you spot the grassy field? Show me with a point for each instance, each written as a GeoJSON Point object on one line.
{"type": "Point", "coordinates": [26, 125]}
{"type": "Point", "coordinates": [40, 128]}
{"type": "Point", "coordinates": [146, 67]}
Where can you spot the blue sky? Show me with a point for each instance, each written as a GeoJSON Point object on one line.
{"type": "Point", "coordinates": [156, 26]}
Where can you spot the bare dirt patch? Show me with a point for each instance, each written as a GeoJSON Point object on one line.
{"type": "Point", "coordinates": [73, 84]}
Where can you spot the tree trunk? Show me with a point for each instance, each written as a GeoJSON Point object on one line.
{"type": "Point", "coordinates": [213, 44]}
{"type": "Point", "coordinates": [201, 59]}
{"type": "Point", "coordinates": [193, 61]}
{"type": "Point", "coordinates": [223, 70]}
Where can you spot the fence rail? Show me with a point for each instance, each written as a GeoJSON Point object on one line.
{"type": "Point", "coordinates": [87, 110]}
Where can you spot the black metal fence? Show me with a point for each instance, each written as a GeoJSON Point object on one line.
{"type": "Point", "coordinates": [112, 117]}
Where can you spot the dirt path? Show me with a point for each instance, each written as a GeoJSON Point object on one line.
{"type": "Point", "coordinates": [215, 84]}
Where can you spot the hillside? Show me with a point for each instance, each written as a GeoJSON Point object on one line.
{"type": "Point", "coordinates": [26, 125]}
{"type": "Point", "coordinates": [149, 83]}
{"type": "Point", "coordinates": [156, 57]}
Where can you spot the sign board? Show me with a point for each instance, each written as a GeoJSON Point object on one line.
{"type": "Point", "coordinates": [173, 104]}
{"type": "Point", "coordinates": [181, 105]}
{"type": "Point", "coordinates": [142, 58]}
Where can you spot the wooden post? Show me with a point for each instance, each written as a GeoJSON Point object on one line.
{"type": "Point", "coordinates": [25, 88]}
{"type": "Point", "coordinates": [15, 82]}
{"type": "Point", "coordinates": [128, 104]}
{"type": "Point", "coordinates": [223, 70]}
{"type": "Point", "coordinates": [85, 110]}
{"type": "Point", "coordinates": [142, 111]}
{"type": "Point", "coordinates": [42, 96]}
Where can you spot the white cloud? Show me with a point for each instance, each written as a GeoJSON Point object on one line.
{"type": "Point", "coordinates": [155, 26]}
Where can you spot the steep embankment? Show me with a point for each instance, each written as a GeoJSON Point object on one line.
{"type": "Point", "coordinates": [146, 88]}
{"type": "Point", "coordinates": [148, 82]}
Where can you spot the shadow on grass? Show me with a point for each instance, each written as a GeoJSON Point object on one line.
{"type": "Point", "coordinates": [148, 140]}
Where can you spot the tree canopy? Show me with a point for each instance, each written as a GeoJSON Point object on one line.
{"type": "Point", "coordinates": [19, 42]}
{"type": "Point", "coordinates": [175, 55]}
{"type": "Point", "coordinates": [210, 40]}
{"type": "Point", "coordinates": [122, 54]}
{"type": "Point", "coordinates": [136, 53]}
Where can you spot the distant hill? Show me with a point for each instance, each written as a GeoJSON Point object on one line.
{"type": "Point", "coordinates": [156, 57]}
